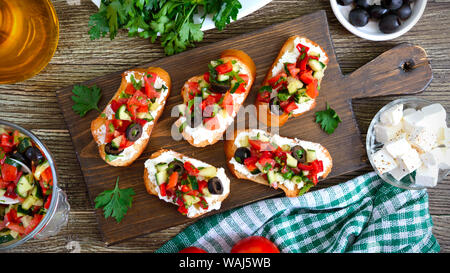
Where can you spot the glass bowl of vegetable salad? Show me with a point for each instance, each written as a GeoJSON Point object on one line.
{"type": "Point", "coordinates": [31, 203]}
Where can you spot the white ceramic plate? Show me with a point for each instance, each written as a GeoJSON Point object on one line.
{"type": "Point", "coordinates": [371, 30]}
{"type": "Point", "coordinates": [248, 7]}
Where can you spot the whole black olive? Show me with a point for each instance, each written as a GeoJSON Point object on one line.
{"type": "Point", "coordinates": [215, 186]}
{"type": "Point", "coordinates": [110, 150]}
{"type": "Point", "coordinates": [404, 12]}
{"type": "Point", "coordinates": [299, 153]}
{"type": "Point", "coordinates": [241, 154]}
{"type": "Point", "coordinates": [362, 4]}
{"type": "Point", "coordinates": [18, 156]}
{"type": "Point", "coordinates": [274, 105]}
{"type": "Point", "coordinates": [389, 23]}
{"type": "Point", "coordinates": [133, 132]}
{"type": "Point", "coordinates": [376, 11]}
{"type": "Point", "coordinates": [358, 17]}
{"type": "Point", "coordinates": [219, 87]}
{"type": "Point", "coordinates": [391, 4]}
{"type": "Point", "coordinates": [344, 2]}
{"type": "Point", "coordinates": [34, 154]}
{"type": "Point", "coordinates": [176, 166]}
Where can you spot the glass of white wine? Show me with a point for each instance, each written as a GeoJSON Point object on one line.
{"type": "Point", "coordinates": [29, 33]}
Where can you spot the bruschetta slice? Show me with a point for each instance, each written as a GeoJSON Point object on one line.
{"type": "Point", "coordinates": [212, 100]}
{"type": "Point", "coordinates": [123, 129]}
{"type": "Point", "coordinates": [196, 187]}
{"type": "Point", "coordinates": [292, 83]}
{"type": "Point", "coordinates": [290, 164]}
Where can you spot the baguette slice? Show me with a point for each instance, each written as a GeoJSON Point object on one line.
{"type": "Point", "coordinates": [289, 48]}
{"type": "Point", "coordinates": [98, 126]}
{"type": "Point", "coordinates": [166, 156]}
{"type": "Point", "coordinates": [240, 171]}
{"type": "Point", "coordinates": [201, 136]}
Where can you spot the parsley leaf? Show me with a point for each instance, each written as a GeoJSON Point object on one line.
{"type": "Point", "coordinates": [115, 202]}
{"type": "Point", "coordinates": [328, 119]}
{"type": "Point", "coordinates": [85, 98]}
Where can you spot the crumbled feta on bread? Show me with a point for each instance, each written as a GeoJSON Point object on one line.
{"type": "Point", "coordinates": [413, 140]}
{"type": "Point", "coordinates": [383, 161]}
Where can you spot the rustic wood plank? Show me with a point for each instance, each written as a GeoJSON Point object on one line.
{"type": "Point", "coordinates": [33, 102]}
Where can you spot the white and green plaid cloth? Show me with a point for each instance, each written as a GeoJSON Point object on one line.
{"type": "Point", "coordinates": [362, 215]}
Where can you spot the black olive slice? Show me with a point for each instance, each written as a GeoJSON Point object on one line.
{"type": "Point", "coordinates": [241, 154]}
{"type": "Point", "coordinates": [215, 185]}
{"type": "Point", "coordinates": [133, 132]}
{"type": "Point", "coordinates": [219, 87]}
{"type": "Point", "coordinates": [274, 105]}
{"type": "Point", "coordinates": [109, 149]}
{"type": "Point", "coordinates": [299, 153]}
{"type": "Point", "coordinates": [176, 166]}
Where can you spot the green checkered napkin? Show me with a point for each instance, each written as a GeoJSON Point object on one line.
{"type": "Point", "coordinates": [362, 215]}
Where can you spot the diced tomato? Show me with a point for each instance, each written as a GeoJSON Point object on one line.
{"type": "Point", "coordinates": [125, 143]}
{"type": "Point", "coordinates": [302, 48]}
{"type": "Point", "coordinates": [313, 178]}
{"type": "Point", "coordinates": [34, 223]}
{"type": "Point", "coordinates": [311, 89]}
{"type": "Point", "coordinates": [260, 145]}
{"type": "Point", "coordinates": [130, 89]}
{"type": "Point", "coordinates": [132, 109]}
{"type": "Point", "coordinates": [211, 123]}
{"type": "Point", "coordinates": [9, 172]}
{"type": "Point", "coordinates": [16, 227]}
{"type": "Point", "coordinates": [264, 161]}
{"type": "Point", "coordinates": [241, 89]}
{"type": "Point", "coordinates": [201, 185]}
{"type": "Point", "coordinates": [142, 109]}
{"type": "Point", "coordinates": [190, 168]}
{"type": "Point", "coordinates": [149, 86]}
{"type": "Point", "coordinates": [314, 57]}
{"type": "Point", "coordinates": [277, 80]}
{"type": "Point", "coordinates": [48, 202]}
{"type": "Point", "coordinates": [305, 167]}
{"type": "Point", "coordinates": [11, 191]}
{"type": "Point", "coordinates": [250, 163]}
{"type": "Point", "coordinates": [121, 125]}
{"type": "Point", "coordinates": [162, 189]}
{"type": "Point", "coordinates": [307, 77]}
{"type": "Point", "coordinates": [11, 216]}
{"type": "Point", "coordinates": [115, 104]}
{"type": "Point", "coordinates": [182, 209]}
{"type": "Point", "coordinates": [203, 204]}
{"type": "Point", "coordinates": [46, 176]}
{"type": "Point", "coordinates": [45, 188]}
{"type": "Point", "coordinates": [3, 184]}
{"type": "Point", "coordinates": [289, 107]}
{"type": "Point", "coordinates": [264, 96]}
{"type": "Point", "coordinates": [206, 77]}
{"type": "Point", "coordinates": [224, 68]}
{"type": "Point", "coordinates": [139, 99]}
{"type": "Point", "coordinates": [6, 141]}
{"type": "Point", "coordinates": [173, 180]}
{"type": "Point", "coordinates": [293, 70]}
{"type": "Point", "coordinates": [227, 103]}
{"type": "Point", "coordinates": [185, 188]}
{"type": "Point", "coordinates": [244, 77]}
{"type": "Point", "coordinates": [267, 154]}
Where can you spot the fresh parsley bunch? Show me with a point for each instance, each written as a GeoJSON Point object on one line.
{"type": "Point", "coordinates": [171, 19]}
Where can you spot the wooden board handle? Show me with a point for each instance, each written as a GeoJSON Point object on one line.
{"type": "Point", "coordinates": [405, 69]}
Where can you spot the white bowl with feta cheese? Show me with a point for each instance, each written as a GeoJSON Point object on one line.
{"type": "Point", "coordinates": [408, 143]}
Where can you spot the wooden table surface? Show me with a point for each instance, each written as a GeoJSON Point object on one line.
{"type": "Point", "coordinates": [33, 103]}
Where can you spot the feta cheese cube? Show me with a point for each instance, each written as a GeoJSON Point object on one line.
{"type": "Point", "coordinates": [434, 117]}
{"type": "Point", "coordinates": [423, 139]}
{"type": "Point", "coordinates": [386, 133]}
{"type": "Point", "coordinates": [429, 159]}
{"type": "Point", "coordinates": [427, 176]}
{"type": "Point", "coordinates": [411, 120]}
{"type": "Point", "coordinates": [410, 161]}
{"type": "Point", "coordinates": [398, 148]}
{"type": "Point", "coordinates": [409, 111]}
{"type": "Point", "coordinates": [383, 161]}
{"type": "Point", "coordinates": [398, 173]}
{"type": "Point", "coordinates": [442, 156]}
{"type": "Point", "coordinates": [393, 115]}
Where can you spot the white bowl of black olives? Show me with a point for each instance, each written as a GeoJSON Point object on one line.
{"type": "Point", "coordinates": [378, 20]}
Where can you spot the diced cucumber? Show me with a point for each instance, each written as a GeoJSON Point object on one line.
{"type": "Point", "coordinates": [22, 212]}
{"type": "Point", "coordinates": [297, 179]}
{"type": "Point", "coordinates": [291, 161]}
{"type": "Point", "coordinates": [2, 192]}
{"type": "Point", "coordinates": [154, 106]}
{"type": "Point", "coordinates": [208, 172]}
{"type": "Point", "coordinates": [162, 167]}
{"type": "Point", "coordinates": [206, 192]}
{"type": "Point", "coordinates": [318, 75]}
{"type": "Point", "coordinates": [316, 65]}
{"type": "Point", "coordinates": [29, 201]}
{"type": "Point", "coordinates": [263, 138]}
{"type": "Point", "coordinates": [6, 238]}
{"type": "Point", "coordinates": [181, 109]}
{"type": "Point", "coordinates": [311, 155]}
{"type": "Point", "coordinates": [222, 77]}
{"type": "Point", "coordinates": [205, 93]}
{"type": "Point", "coordinates": [144, 115]}
{"type": "Point", "coordinates": [271, 177]}
{"type": "Point", "coordinates": [23, 145]}
{"type": "Point", "coordinates": [313, 53]}
{"type": "Point", "coordinates": [203, 84]}
{"type": "Point", "coordinates": [122, 113]}
{"type": "Point", "coordinates": [243, 141]}
{"type": "Point", "coordinates": [26, 220]}
{"type": "Point", "coordinates": [190, 200]}
{"type": "Point", "coordinates": [36, 192]}
{"type": "Point", "coordinates": [285, 147]}
{"type": "Point", "coordinates": [24, 185]}
{"type": "Point", "coordinates": [13, 162]}
{"type": "Point", "coordinates": [116, 142]}
{"type": "Point", "coordinates": [293, 85]}
{"type": "Point", "coordinates": [236, 67]}
{"type": "Point", "coordinates": [40, 169]}
{"type": "Point", "coordinates": [38, 202]}
{"type": "Point", "coordinates": [161, 177]}
{"type": "Point", "coordinates": [305, 173]}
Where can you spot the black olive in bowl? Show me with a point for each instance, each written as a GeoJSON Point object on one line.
{"type": "Point", "coordinates": [389, 23]}
{"type": "Point", "coordinates": [358, 17]}
{"type": "Point", "coordinates": [377, 11]}
{"type": "Point", "coordinates": [392, 4]}
{"type": "Point", "coordinates": [344, 2]}
{"type": "Point", "coordinates": [362, 4]}
{"type": "Point", "coordinates": [404, 12]}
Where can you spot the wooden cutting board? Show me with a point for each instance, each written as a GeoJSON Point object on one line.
{"type": "Point", "coordinates": [404, 69]}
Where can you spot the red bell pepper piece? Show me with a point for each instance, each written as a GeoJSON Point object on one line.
{"type": "Point", "coordinates": [302, 64]}
{"type": "Point", "coordinates": [307, 77]}
{"type": "Point", "coordinates": [289, 107]}
{"type": "Point", "coordinates": [206, 77]}
{"type": "Point", "coordinates": [305, 167]}
{"type": "Point", "coordinates": [224, 68]}
{"type": "Point", "coordinates": [190, 168]}
{"type": "Point", "coordinates": [302, 48]}
{"type": "Point", "coordinates": [173, 180]}
{"type": "Point", "coordinates": [130, 89]}
{"type": "Point", "coordinates": [313, 178]}
{"type": "Point", "coordinates": [311, 89]}
{"type": "Point", "coordinates": [162, 189]}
